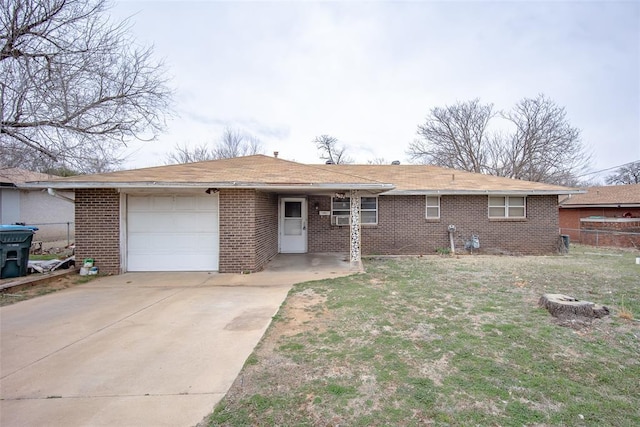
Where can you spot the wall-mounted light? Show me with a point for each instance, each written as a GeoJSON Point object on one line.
{"type": "Point", "coordinates": [211, 190]}
{"type": "Point", "coordinates": [316, 206]}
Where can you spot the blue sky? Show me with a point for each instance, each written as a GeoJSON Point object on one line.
{"type": "Point", "coordinates": [369, 72]}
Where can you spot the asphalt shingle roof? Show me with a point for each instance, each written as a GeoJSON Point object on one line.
{"type": "Point", "coordinates": [257, 169]}
{"type": "Point", "coordinates": [17, 176]}
{"type": "Point", "coordinates": [409, 178]}
{"type": "Point", "coordinates": [260, 170]}
{"type": "Point", "coordinates": [606, 195]}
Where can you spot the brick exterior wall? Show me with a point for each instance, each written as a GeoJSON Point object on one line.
{"type": "Point", "coordinates": [403, 229]}
{"type": "Point", "coordinates": [570, 218]}
{"type": "Point", "coordinates": [248, 230]}
{"type": "Point", "coordinates": [266, 228]}
{"type": "Point", "coordinates": [97, 217]}
{"type": "Point", "coordinates": [620, 233]}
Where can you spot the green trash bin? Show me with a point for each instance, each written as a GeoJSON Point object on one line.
{"type": "Point", "coordinates": [15, 242]}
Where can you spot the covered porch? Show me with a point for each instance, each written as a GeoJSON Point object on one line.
{"type": "Point", "coordinates": [321, 222]}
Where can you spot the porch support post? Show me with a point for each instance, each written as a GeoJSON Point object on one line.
{"type": "Point", "coordinates": [354, 234]}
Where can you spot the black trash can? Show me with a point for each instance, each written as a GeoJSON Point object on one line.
{"type": "Point", "coordinates": [15, 242]}
{"type": "Point", "coordinates": [565, 243]}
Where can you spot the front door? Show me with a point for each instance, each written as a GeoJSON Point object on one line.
{"type": "Point", "coordinates": [293, 225]}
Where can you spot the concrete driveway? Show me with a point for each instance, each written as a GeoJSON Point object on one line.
{"type": "Point", "coordinates": [140, 349]}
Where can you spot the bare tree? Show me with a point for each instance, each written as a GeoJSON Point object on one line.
{"type": "Point", "coordinates": [74, 87]}
{"type": "Point", "coordinates": [331, 151]}
{"type": "Point", "coordinates": [626, 174]}
{"type": "Point", "coordinates": [94, 158]}
{"type": "Point", "coordinates": [377, 161]}
{"type": "Point", "coordinates": [185, 154]}
{"type": "Point", "coordinates": [455, 136]}
{"type": "Point", "coordinates": [233, 143]}
{"type": "Point", "coordinates": [543, 147]}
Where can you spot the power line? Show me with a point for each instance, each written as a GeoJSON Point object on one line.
{"type": "Point", "coordinates": [607, 169]}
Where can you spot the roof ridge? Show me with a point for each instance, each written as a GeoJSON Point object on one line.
{"type": "Point", "coordinates": [323, 167]}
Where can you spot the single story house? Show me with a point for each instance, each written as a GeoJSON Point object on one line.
{"type": "Point", "coordinates": [54, 216]}
{"type": "Point", "coordinates": [601, 215]}
{"type": "Point", "coordinates": [233, 215]}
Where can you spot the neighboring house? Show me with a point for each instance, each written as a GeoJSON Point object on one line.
{"type": "Point", "coordinates": [608, 215]}
{"type": "Point", "coordinates": [233, 215]}
{"type": "Point", "coordinates": [54, 216]}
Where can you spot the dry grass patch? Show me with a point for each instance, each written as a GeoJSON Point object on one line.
{"type": "Point", "coordinates": [447, 341]}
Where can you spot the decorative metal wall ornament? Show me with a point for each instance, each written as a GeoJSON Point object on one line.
{"type": "Point", "coordinates": [355, 229]}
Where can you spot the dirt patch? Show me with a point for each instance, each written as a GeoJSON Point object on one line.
{"type": "Point", "coordinates": [27, 291]}
{"type": "Point", "coordinates": [301, 309]}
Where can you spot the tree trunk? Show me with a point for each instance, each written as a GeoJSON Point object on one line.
{"type": "Point", "coordinates": [566, 307]}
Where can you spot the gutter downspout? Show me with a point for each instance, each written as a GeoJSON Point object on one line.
{"type": "Point", "coordinates": [52, 192]}
{"type": "Point", "coordinates": [565, 199]}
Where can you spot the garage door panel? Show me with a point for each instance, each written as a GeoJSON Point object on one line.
{"type": "Point", "coordinates": [149, 242]}
{"type": "Point", "coordinates": [205, 222]}
{"type": "Point", "coordinates": [170, 262]}
{"type": "Point", "coordinates": [186, 203]}
{"type": "Point", "coordinates": [189, 222]}
{"type": "Point", "coordinates": [148, 222]}
{"type": "Point", "coordinates": [207, 203]}
{"type": "Point", "coordinates": [163, 203]}
{"type": "Point", "coordinates": [136, 204]}
{"type": "Point", "coordinates": [168, 224]}
{"type": "Point", "coordinates": [172, 233]}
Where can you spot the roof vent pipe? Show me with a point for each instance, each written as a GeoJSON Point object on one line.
{"type": "Point", "coordinates": [395, 162]}
{"type": "Point", "coordinates": [328, 162]}
{"type": "Point", "coordinates": [275, 154]}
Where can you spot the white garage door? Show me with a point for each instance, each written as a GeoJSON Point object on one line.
{"type": "Point", "coordinates": [172, 233]}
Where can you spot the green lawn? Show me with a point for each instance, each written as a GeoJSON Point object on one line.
{"type": "Point", "coordinates": [449, 341]}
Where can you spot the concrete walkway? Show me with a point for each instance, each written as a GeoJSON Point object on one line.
{"type": "Point", "coordinates": [140, 349]}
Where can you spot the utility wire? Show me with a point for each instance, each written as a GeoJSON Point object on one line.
{"type": "Point", "coordinates": [608, 169]}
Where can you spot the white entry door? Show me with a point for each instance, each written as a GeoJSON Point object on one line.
{"type": "Point", "coordinates": [293, 225]}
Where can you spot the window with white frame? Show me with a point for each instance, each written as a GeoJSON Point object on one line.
{"type": "Point", "coordinates": [433, 207]}
{"type": "Point", "coordinates": [507, 207]}
{"type": "Point", "coordinates": [368, 209]}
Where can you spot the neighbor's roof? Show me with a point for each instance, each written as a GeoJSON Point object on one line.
{"type": "Point", "coordinates": [606, 196]}
{"type": "Point", "coordinates": [265, 172]}
{"type": "Point", "coordinates": [17, 176]}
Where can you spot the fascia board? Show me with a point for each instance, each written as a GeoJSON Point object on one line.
{"type": "Point", "coordinates": [481, 192]}
{"type": "Point", "coordinates": [600, 205]}
{"type": "Point", "coordinates": [178, 185]}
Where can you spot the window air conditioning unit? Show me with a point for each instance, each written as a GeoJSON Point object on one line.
{"type": "Point", "coordinates": [340, 220]}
